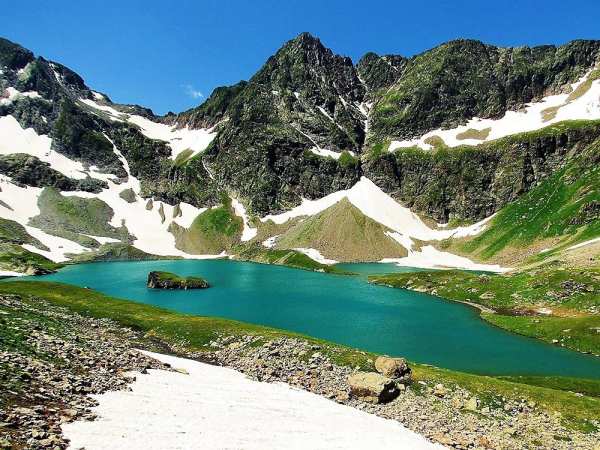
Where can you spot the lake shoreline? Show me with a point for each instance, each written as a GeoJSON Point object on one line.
{"type": "Point", "coordinates": [445, 410]}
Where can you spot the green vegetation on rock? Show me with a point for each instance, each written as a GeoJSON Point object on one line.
{"type": "Point", "coordinates": [74, 217]}
{"type": "Point", "coordinates": [213, 231]}
{"type": "Point", "coordinates": [168, 280]}
{"type": "Point", "coordinates": [15, 258]}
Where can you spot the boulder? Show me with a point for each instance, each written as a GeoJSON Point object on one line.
{"type": "Point", "coordinates": [372, 387]}
{"type": "Point", "coordinates": [396, 368]}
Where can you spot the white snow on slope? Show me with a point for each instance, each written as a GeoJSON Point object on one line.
{"type": "Point", "coordinates": [428, 257]}
{"type": "Point", "coordinates": [23, 206]}
{"type": "Point", "coordinates": [314, 254]}
{"type": "Point", "coordinates": [152, 235]}
{"type": "Point", "coordinates": [382, 208]}
{"type": "Point", "coordinates": [10, 273]}
{"type": "Point", "coordinates": [405, 224]}
{"type": "Point", "coordinates": [12, 94]}
{"type": "Point", "coordinates": [248, 233]}
{"type": "Point", "coordinates": [179, 139]}
{"type": "Point", "coordinates": [215, 407]}
{"type": "Point", "coordinates": [14, 139]}
{"type": "Point", "coordinates": [327, 153]}
{"type": "Point", "coordinates": [583, 244]}
{"type": "Point", "coordinates": [530, 119]}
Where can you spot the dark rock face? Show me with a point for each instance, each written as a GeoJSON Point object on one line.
{"type": "Point", "coordinates": [30, 171]}
{"type": "Point", "coordinates": [305, 96]}
{"type": "Point", "coordinates": [462, 79]}
{"type": "Point", "coordinates": [166, 280]}
{"type": "Point", "coordinates": [475, 182]}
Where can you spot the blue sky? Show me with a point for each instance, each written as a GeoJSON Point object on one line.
{"type": "Point", "coordinates": [169, 55]}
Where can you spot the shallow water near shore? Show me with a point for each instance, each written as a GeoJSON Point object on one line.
{"type": "Point", "coordinates": [341, 309]}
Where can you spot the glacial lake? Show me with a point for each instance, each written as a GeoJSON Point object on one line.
{"type": "Point", "coordinates": [342, 309]}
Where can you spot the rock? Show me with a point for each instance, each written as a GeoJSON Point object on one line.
{"type": "Point", "coordinates": [487, 296]}
{"type": "Point", "coordinates": [396, 368]}
{"type": "Point", "coordinates": [372, 387]}
{"type": "Point", "coordinates": [472, 404]}
{"type": "Point", "coordinates": [439, 390]}
{"type": "Point", "coordinates": [167, 280]}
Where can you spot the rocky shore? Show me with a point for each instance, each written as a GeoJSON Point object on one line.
{"type": "Point", "coordinates": [51, 359]}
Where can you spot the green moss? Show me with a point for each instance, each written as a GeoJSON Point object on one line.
{"type": "Point", "coordinates": [169, 280]}
{"type": "Point", "coordinates": [183, 158]}
{"type": "Point", "coordinates": [347, 160]}
{"type": "Point", "coordinates": [289, 258]}
{"type": "Point", "coordinates": [60, 214]}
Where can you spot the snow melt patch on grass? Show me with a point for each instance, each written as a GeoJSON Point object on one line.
{"type": "Point", "coordinates": [15, 139]}
{"type": "Point", "coordinates": [327, 153]}
{"type": "Point", "coordinates": [428, 257]}
{"type": "Point", "coordinates": [379, 206]}
{"type": "Point", "coordinates": [529, 119]}
{"type": "Point", "coordinates": [179, 139]}
{"type": "Point", "coordinates": [12, 94]}
{"type": "Point", "coordinates": [405, 225]}
{"type": "Point", "coordinates": [248, 233]}
{"type": "Point", "coordinates": [315, 255]}
{"type": "Point", "coordinates": [23, 206]}
{"type": "Point", "coordinates": [215, 407]}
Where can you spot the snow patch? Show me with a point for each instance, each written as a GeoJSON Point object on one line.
{"type": "Point", "coordinates": [216, 407]}
{"type": "Point", "coordinates": [12, 94]}
{"type": "Point", "coordinates": [316, 255]}
{"type": "Point", "coordinates": [249, 232]}
{"type": "Point", "coordinates": [10, 273]}
{"type": "Point", "coordinates": [431, 258]}
{"type": "Point", "coordinates": [270, 242]}
{"type": "Point", "coordinates": [327, 153]}
{"type": "Point", "coordinates": [529, 119]}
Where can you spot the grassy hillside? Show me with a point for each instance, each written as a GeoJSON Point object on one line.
{"type": "Point", "coordinates": [342, 232]}
{"type": "Point", "coordinates": [12, 232]}
{"type": "Point", "coordinates": [552, 303]}
{"type": "Point", "coordinates": [15, 258]}
{"type": "Point", "coordinates": [561, 211]}
{"type": "Point", "coordinates": [194, 333]}
{"type": "Point", "coordinates": [289, 258]}
{"type": "Point", "coordinates": [213, 231]}
{"type": "Point", "coordinates": [74, 217]}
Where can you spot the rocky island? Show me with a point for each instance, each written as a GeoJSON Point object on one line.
{"type": "Point", "coordinates": [168, 280]}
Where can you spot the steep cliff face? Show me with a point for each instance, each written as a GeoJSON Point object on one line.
{"type": "Point", "coordinates": [475, 182]}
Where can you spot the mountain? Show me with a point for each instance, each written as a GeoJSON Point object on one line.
{"type": "Point", "coordinates": [337, 160]}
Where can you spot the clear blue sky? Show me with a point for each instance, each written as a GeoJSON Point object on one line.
{"type": "Point", "coordinates": [165, 54]}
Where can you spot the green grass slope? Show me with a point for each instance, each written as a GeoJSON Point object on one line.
{"type": "Point", "coordinates": [213, 231]}
{"type": "Point", "coordinates": [342, 232]}
{"type": "Point", "coordinates": [564, 209]}
{"type": "Point", "coordinates": [571, 296]}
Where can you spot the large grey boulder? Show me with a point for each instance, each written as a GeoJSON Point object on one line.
{"type": "Point", "coordinates": [372, 387]}
{"type": "Point", "coordinates": [396, 368]}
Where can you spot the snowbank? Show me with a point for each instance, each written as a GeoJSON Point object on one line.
{"type": "Point", "coordinates": [179, 139]}
{"type": "Point", "coordinates": [316, 255]}
{"type": "Point", "coordinates": [405, 225]}
{"type": "Point", "coordinates": [431, 258]}
{"type": "Point", "coordinates": [583, 244]}
{"type": "Point", "coordinates": [533, 117]}
{"type": "Point", "coordinates": [216, 407]}
{"type": "Point", "coordinates": [248, 233]}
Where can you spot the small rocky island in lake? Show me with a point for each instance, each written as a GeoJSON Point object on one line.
{"type": "Point", "coordinates": [168, 280]}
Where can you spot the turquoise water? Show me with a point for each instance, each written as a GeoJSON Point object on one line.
{"type": "Point", "coordinates": [342, 309]}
